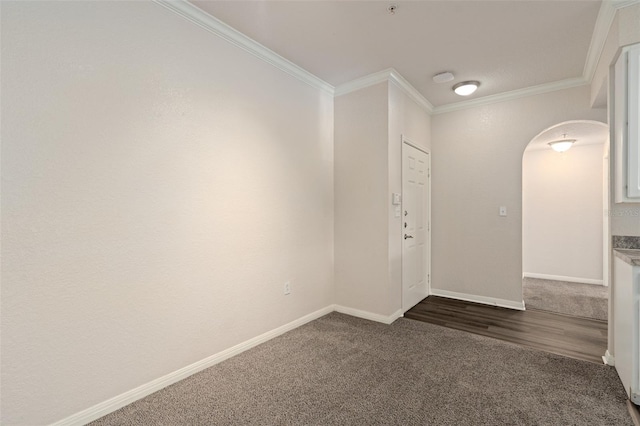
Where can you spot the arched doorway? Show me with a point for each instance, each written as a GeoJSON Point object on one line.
{"type": "Point", "coordinates": [564, 196]}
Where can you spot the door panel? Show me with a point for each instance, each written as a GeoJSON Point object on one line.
{"type": "Point", "coordinates": [415, 226]}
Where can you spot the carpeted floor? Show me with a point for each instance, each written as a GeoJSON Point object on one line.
{"type": "Point", "coordinates": [340, 370]}
{"type": "Point", "coordinates": [582, 300]}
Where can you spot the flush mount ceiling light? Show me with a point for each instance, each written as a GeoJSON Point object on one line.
{"type": "Point", "coordinates": [466, 88]}
{"type": "Point", "coordinates": [562, 145]}
{"type": "Point", "coordinates": [443, 77]}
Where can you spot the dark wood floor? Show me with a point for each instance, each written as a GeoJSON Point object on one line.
{"type": "Point", "coordinates": [580, 338]}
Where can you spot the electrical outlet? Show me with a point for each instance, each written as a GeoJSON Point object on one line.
{"type": "Point", "coordinates": [287, 288]}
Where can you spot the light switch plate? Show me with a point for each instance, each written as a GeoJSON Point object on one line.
{"type": "Point", "coordinates": [503, 210]}
{"type": "Point", "coordinates": [397, 199]}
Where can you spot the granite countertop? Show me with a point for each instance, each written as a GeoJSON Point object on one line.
{"type": "Point", "coordinates": [630, 256]}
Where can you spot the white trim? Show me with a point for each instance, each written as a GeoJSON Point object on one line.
{"type": "Point", "coordinates": [235, 37]}
{"type": "Point", "coordinates": [479, 299]}
{"type": "Point", "coordinates": [562, 278]}
{"type": "Point", "coordinates": [201, 18]}
{"type": "Point", "coordinates": [608, 359]}
{"type": "Point", "coordinates": [110, 405]}
{"type": "Point", "coordinates": [620, 4]}
{"type": "Point", "coordinates": [363, 82]}
{"type": "Point", "coordinates": [606, 14]}
{"type": "Point", "coordinates": [605, 18]}
{"type": "Point", "coordinates": [416, 146]}
{"type": "Point", "coordinates": [410, 91]}
{"type": "Point", "coordinates": [633, 128]}
{"type": "Point", "coordinates": [606, 227]}
{"type": "Point", "coordinates": [634, 412]}
{"type": "Point", "coordinates": [368, 315]}
{"type": "Point", "coordinates": [102, 409]}
{"type": "Point", "coordinates": [388, 75]}
{"type": "Point", "coordinates": [513, 94]}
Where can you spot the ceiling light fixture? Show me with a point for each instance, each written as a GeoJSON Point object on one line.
{"type": "Point", "coordinates": [466, 88]}
{"type": "Point", "coordinates": [443, 77]}
{"type": "Point", "coordinates": [563, 144]}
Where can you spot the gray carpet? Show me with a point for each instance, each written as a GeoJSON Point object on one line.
{"type": "Point", "coordinates": [340, 370]}
{"type": "Point", "coordinates": [581, 300]}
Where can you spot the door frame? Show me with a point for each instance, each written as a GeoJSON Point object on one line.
{"type": "Point", "coordinates": [407, 141]}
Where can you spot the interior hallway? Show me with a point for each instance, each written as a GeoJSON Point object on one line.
{"type": "Point", "coordinates": [569, 298]}
{"type": "Point", "coordinates": [575, 337]}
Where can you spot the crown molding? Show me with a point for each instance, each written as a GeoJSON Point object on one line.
{"type": "Point", "coordinates": [619, 4]}
{"type": "Point", "coordinates": [410, 91]}
{"type": "Point", "coordinates": [513, 94]}
{"type": "Point", "coordinates": [606, 14]}
{"type": "Point", "coordinates": [363, 82]}
{"type": "Point", "coordinates": [199, 17]}
{"type": "Point", "coordinates": [603, 24]}
{"type": "Point", "coordinates": [388, 75]}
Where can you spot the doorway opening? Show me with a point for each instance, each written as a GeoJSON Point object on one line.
{"type": "Point", "coordinates": [564, 228]}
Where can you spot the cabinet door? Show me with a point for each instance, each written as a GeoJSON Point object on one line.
{"type": "Point", "coordinates": [626, 134]}
{"type": "Point", "coordinates": [619, 131]}
{"type": "Point", "coordinates": [633, 117]}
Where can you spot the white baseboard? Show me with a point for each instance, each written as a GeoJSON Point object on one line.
{"type": "Point", "coordinates": [110, 405]}
{"type": "Point", "coordinates": [102, 409]}
{"type": "Point", "coordinates": [634, 412]}
{"type": "Point", "coordinates": [479, 299]}
{"type": "Point", "coordinates": [562, 278]}
{"type": "Point", "coordinates": [608, 359]}
{"type": "Point", "coordinates": [368, 315]}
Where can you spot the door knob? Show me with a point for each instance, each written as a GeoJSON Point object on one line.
{"type": "Point", "coordinates": [407, 236]}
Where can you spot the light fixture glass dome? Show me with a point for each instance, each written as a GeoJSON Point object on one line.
{"type": "Point", "coordinates": [466, 87]}
{"type": "Point", "coordinates": [562, 145]}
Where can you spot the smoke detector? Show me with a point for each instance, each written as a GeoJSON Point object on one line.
{"type": "Point", "coordinates": [443, 77]}
{"type": "Point", "coordinates": [392, 9]}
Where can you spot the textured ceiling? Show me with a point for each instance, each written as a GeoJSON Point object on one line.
{"type": "Point", "coordinates": [506, 45]}
{"type": "Point", "coordinates": [584, 132]}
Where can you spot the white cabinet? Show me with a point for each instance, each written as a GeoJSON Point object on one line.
{"type": "Point", "coordinates": [626, 132]}
{"type": "Point", "coordinates": [626, 324]}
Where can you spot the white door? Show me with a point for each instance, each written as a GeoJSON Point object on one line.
{"type": "Point", "coordinates": [415, 226]}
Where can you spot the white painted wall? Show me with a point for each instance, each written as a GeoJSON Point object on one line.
{"type": "Point", "coordinates": [156, 197]}
{"type": "Point", "coordinates": [562, 212]}
{"type": "Point", "coordinates": [361, 235]}
{"type": "Point", "coordinates": [408, 119]}
{"type": "Point", "coordinates": [159, 186]}
{"type": "Point", "coordinates": [369, 124]}
{"type": "Point", "coordinates": [476, 168]}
